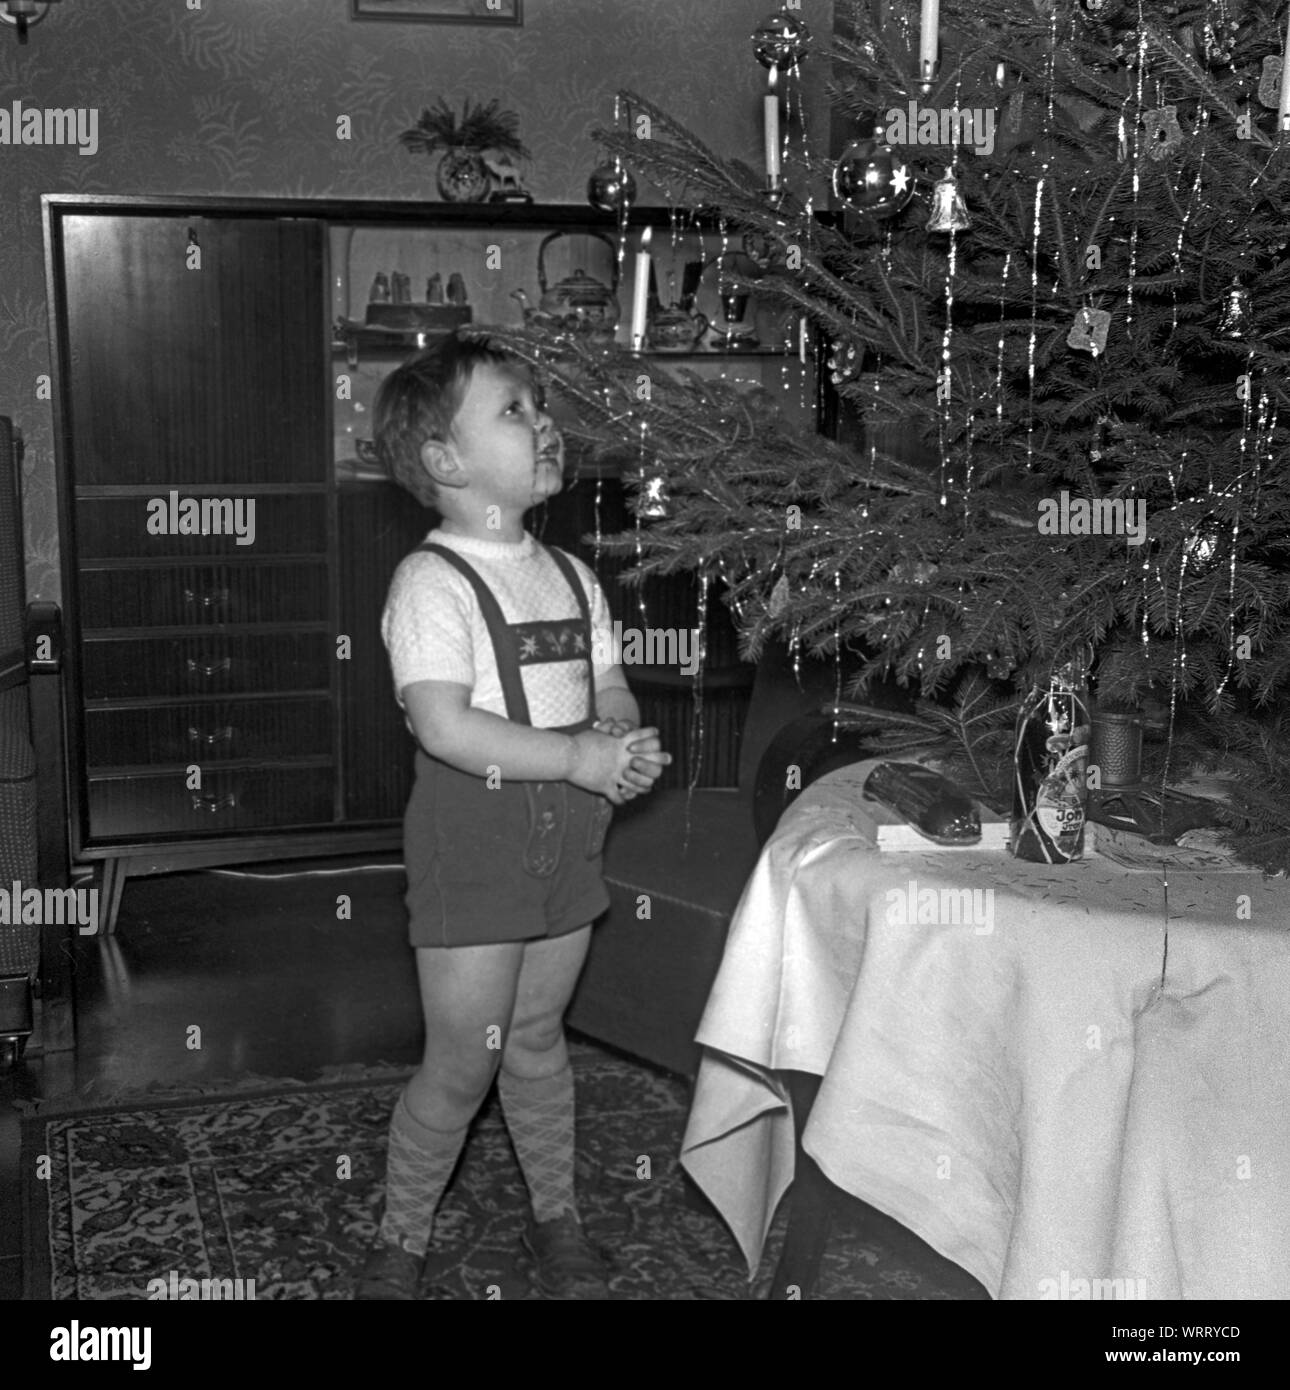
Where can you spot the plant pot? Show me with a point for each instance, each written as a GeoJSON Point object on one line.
{"type": "Point", "coordinates": [463, 176]}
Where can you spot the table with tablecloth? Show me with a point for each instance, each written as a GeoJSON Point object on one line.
{"type": "Point", "coordinates": [1089, 1082]}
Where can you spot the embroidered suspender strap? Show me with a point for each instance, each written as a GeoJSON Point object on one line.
{"type": "Point", "coordinates": [503, 639]}
{"type": "Point", "coordinates": [602, 812]}
{"type": "Point", "coordinates": [566, 568]}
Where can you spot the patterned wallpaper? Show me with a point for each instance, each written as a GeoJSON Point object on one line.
{"type": "Point", "coordinates": [242, 97]}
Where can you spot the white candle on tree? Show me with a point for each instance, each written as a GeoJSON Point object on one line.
{"type": "Point", "coordinates": [1283, 106]}
{"type": "Point", "coordinates": [929, 39]}
{"type": "Point", "coordinates": [770, 108]}
{"type": "Point", "coordinates": [640, 292]}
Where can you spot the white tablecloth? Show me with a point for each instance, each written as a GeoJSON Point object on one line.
{"type": "Point", "coordinates": [1053, 1100]}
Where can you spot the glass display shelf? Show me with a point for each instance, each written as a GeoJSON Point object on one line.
{"type": "Point", "coordinates": [397, 287]}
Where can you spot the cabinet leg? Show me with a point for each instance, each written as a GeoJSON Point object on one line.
{"type": "Point", "coordinates": [55, 985]}
{"type": "Point", "coordinates": [812, 1202]}
{"type": "Point", "coordinates": [115, 873]}
{"type": "Point", "coordinates": [55, 1029]}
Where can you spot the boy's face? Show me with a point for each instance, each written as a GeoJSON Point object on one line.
{"type": "Point", "coordinates": [509, 450]}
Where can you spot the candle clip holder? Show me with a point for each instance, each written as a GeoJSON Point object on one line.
{"type": "Point", "coordinates": [782, 201]}
{"type": "Point", "coordinates": [736, 333]}
{"type": "Point", "coordinates": [724, 291]}
{"type": "Point", "coordinates": [929, 70]}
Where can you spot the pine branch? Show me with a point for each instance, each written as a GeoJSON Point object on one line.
{"type": "Point", "coordinates": [1025, 406]}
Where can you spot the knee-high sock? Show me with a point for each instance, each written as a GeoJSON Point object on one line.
{"type": "Point", "coordinates": [539, 1116]}
{"type": "Point", "coordinates": [420, 1162]}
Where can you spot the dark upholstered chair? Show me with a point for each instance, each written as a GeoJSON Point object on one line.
{"type": "Point", "coordinates": [647, 981]}
{"type": "Point", "coordinates": [19, 943]}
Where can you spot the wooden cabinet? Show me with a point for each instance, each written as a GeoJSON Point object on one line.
{"type": "Point", "coordinates": [226, 552]}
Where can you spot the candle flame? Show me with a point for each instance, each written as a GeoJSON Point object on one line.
{"type": "Point", "coordinates": [774, 78]}
{"type": "Point", "coordinates": [647, 237]}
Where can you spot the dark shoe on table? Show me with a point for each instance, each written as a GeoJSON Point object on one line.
{"type": "Point", "coordinates": [391, 1274]}
{"type": "Point", "coordinates": [566, 1264]}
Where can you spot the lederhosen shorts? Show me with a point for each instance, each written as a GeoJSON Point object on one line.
{"type": "Point", "coordinates": [518, 860]}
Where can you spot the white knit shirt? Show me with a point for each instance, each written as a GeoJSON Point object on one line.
{"type": "Point", "coordinates": [434, 629]}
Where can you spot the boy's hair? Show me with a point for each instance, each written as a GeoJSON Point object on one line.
{"type": "Point", "coordinates": [418, 401]}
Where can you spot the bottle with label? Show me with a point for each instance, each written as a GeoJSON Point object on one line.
{"type": "Point", "coordinates": [1050, 758]}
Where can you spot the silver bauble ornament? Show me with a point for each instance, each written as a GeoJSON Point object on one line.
{"type": "Point", "coordinates": [872, 178]}
{"type": "Point", "coordinates": [781, 41]}
{"type": "Point", "coordinates": [611, 188]}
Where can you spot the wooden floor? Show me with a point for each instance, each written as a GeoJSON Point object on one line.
{"type": "Point", "coordinates": [276, 983]}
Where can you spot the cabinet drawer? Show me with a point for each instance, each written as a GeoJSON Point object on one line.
{"type": "Point", "coordinates": [210, 732]}
{"type": "Point", "coordinates": [203, 595]}
{"type": "Point", "coordinates": [110, 528]}
{"type": "Point", "coordinates": [236, 799]}
{"type": "Point", "coordinates": [214, 663]}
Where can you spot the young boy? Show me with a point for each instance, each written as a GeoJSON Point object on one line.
{"type": "Point", "coordinates": [525, 738]}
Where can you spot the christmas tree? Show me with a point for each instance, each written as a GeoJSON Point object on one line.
{"type": "Point", "coordinates": [1054, 297]}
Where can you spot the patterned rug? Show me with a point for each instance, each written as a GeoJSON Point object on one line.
{"type": "Point", "coordinates": [283, 1187]}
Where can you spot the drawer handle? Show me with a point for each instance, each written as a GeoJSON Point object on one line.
{"type": "Point", "coordinates": [224, 735]}
{"type": "Point", "coordinates": [209, 668]}
{"type": "Point", "coordinates": [213, 803]}
{"type": "Point", "coordinates": [213, 598]}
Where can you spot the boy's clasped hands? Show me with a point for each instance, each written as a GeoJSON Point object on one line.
{"type": "Point", "coordinates": [617, 760]}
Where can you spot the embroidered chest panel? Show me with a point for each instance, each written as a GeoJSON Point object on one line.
{"type": "Point", "coordinates": [562, 640]}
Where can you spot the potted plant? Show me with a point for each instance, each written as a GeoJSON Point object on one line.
{"type": "Point", "coordinates": [462, 175]}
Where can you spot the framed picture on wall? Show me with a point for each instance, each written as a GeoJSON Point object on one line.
{"type": "Point", "coordinates": [440, 11]}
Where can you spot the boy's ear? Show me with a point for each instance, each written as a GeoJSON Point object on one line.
{"type": "Point", "coordinates": [441, 462]}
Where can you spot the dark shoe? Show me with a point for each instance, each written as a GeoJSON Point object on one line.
{"type": "Point", "coordinates": [566, 1264]}
{"type": "Point", "coordinates": [391, 1274]}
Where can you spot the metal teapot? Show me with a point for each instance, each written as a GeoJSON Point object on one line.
{"type": "Point", "coordinates": [676, 328]}
{"type": "Point", "coordinates": [580, 303]}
